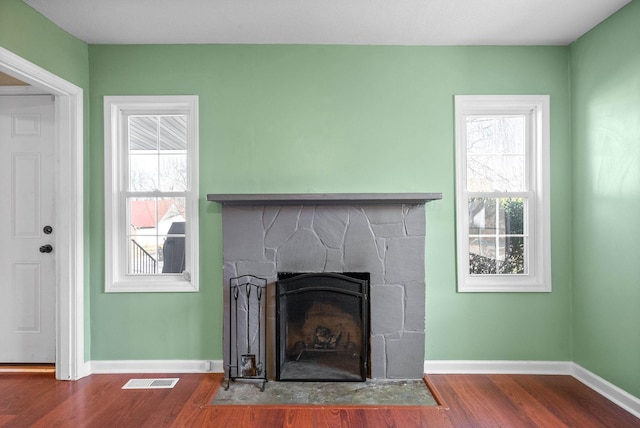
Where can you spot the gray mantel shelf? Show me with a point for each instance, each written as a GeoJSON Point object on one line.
{"type": "Point", "coordinates": [322, 198]}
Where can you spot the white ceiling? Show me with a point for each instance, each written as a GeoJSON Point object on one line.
{"type": "Point", "coordinates": [358, 22]}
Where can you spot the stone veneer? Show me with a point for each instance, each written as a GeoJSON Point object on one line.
{"type": "Point", "coordinates": [386, 240]}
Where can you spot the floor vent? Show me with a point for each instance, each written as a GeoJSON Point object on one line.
{"type": "Point", "coordinates": [151, 383]}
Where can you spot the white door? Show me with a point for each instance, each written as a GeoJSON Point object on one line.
{"type": "Point", "coordinates": [27, 268]}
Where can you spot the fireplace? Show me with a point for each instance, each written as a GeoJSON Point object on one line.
{"type": "Point", "coordinates": [322, 326]}
{"type": "Point", "coordinates": [382, 234]}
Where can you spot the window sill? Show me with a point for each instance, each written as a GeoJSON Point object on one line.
{"type": "Point", "coordinates": [510, 287]}
{"type": "Point", "coordinates": [152, 286]}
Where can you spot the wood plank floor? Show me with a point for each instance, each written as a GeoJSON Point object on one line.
{"type": "Point", "coordinates": [38, 400]}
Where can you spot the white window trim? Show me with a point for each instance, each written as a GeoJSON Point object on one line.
{"type": "Point", "coordinates": [539, 277]}
{"type": "Point", "coordinates": [116, 280]}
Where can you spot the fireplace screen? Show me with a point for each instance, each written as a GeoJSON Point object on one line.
{"type": "Point", "coordinates": [322, 327]}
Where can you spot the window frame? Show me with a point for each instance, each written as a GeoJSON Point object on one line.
{"type": "Point", "coordinates": [116, 111]}
{"type": "Point", "coordinates": [538, 277]}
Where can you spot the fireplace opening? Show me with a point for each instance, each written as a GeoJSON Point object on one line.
{"type": "Point", "coordinates": [322, 326]}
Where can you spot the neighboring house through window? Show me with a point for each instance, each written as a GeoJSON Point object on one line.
{"type": "Point", "coordinates": [502, 188]}
{"type": "Point", "coordinates": [151, 193]}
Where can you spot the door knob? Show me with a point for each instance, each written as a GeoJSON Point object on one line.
{"type": "Point", "coordinates": [46, 248]}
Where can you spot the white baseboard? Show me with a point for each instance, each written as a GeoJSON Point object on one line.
{"type": "Point", "coordinates": [497, 367]}
{"type": "Point", "coordinates": [603, 387]}
{"type": "Point", "coordinates": [85, 369]}
{"type": "Point", "coordinates": [156, 366]}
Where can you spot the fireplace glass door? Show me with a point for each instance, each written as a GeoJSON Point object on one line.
{"type": "Point", "coordinates": [322, 327]}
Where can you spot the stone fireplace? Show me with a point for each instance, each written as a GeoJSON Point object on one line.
{"type": "Point", "coordinates": [382, 235]}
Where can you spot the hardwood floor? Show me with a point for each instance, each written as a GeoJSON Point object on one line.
{"type": "Point", "coordinates": [38, 400]}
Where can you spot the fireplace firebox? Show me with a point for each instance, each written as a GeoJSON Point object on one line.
{"type": "Point", "coordinates": [322, 326]}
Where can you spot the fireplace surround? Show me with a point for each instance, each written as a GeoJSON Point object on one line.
{"type": "Point", "coordinates": [382, 234]}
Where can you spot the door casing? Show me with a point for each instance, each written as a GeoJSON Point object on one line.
{"type": "Point", "coordinates": [69, 129]}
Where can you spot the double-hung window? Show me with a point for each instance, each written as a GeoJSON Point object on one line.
{"type": "Point", "coordinates": [502, 193]}
{"type": "Point", "coordinates": [151, 193]}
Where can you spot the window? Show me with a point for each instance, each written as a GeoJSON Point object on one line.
{"type": "Point", "coordinates": [502, 191]}
{"type": "Point", "coordinates": [151, 193]}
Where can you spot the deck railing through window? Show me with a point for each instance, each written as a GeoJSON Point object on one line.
{"type": "Point", "coordinates": [141, 260]}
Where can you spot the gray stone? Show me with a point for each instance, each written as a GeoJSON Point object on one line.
{"type": "Point", "coordinates": [415, 220]}
{"type": "Point", "coordinates": [382, 247]}
{"type": "Point", "coordinates": [378, 357]}
{"type": "Point", "coordinates": [394, 336]}
{"type": "Point", "coordinates": [405, 260]}
{"type": "Point", "coordinates": [242, 234]}
{"type": "Point", "coordinates": [388, 230]}
{"type": "Point", "coordinates": [330, 223]}
{"type": "Point", "coordinates": [282, 228]}
{"type": "Point", "coordinates": [334, 260]}
{"type": "Point", "coordinates": [261, 269]}
{"type": "Point", "coordinates": [405, 357]}
{"type": "Point", "coordinates": [302, 253]}
{"type": "Point", "coordinates": [360, 249]}
{"type": "Point", "coordinates": [269, 215]}
{"type": "Point", "coordinates": [381, 214]}
{"type": "Point", "coordinates": [270, 254]}
{"type": "Point", "coordinates": [306, 217]}
{"type": "Point", "coordinates": [387, 309]}
{"type": "Point", "coordinates": [230, 269]}
{"type": "Point", "coordinates": [377, 277]}
{"type": "Point", "coordinates": [414, 306]}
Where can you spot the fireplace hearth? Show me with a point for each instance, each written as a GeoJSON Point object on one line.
{"type": "Point", "coordinates": [322, 327]}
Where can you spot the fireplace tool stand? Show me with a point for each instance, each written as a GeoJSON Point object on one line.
{"type": "Point", "coordinates": [247, 330]}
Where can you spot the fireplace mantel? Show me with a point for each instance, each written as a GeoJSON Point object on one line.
{"type": "Point", "coordinates": [322, 198]}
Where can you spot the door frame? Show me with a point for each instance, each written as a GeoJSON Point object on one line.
{"type": "Point", "coordinates": [69, 210]}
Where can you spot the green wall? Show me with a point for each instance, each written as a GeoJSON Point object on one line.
{"type": "Point", "coordinates": [605, 76]}
{"type": "Point", "coordinates": [28, 34]}
{"type": "Point", "coordinates": [334, 119]}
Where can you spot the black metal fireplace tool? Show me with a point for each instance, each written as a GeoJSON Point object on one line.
{"type": "Point", "coordinates": [247, 330]}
